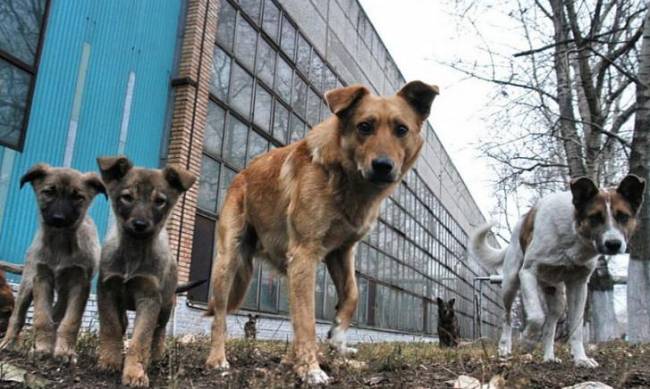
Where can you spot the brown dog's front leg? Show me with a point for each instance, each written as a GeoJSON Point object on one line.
{"type": "Point", "coordinates": [111, 326]}
{"type": "Point", "coordinates": [301, 272]}
{"type": "Point", "coordinates": [340, 265]}
{"type": "Point", "coordinates": [17, 319]}
{"type": "Point", "coordinates": [147, 309]}
{"type": "Point", "coordinates": [43, 323]}
{"type": "Point", "coordinates": [76, 283]}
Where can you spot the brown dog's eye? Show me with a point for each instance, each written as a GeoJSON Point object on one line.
{"type": "Point", "coordinates": [126, 198]}
{"type": "Point", "coordinates": [401, 130]}
{"type": "Point", "coordinates": [622, 217]}
{"type": "Point", "coordinates": [364, 128]}
{"type": "Point", "coordinates": [596, 219]}
{"type": "Point", "coordinates": [160, 202]}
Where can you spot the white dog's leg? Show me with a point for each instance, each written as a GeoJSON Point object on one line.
{"type": "Point", "coordinates": [510, 287]}
{"type": "Point", "coordinates": [577, 297]}
{"type": "Point", "coordinates": [530, 294]}
{"type": "Point", "coordinates": [556, 303]}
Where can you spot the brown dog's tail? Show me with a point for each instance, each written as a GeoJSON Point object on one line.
{"type": "Point", "coordinates": [238, 289]}
{"type": "Point", "coordinates": [189, 285]}
{"type": "Point", "coordinates": [11, 267]}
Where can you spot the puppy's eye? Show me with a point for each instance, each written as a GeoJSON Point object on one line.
{"type": "Point", "coordinates": [78, 197]}
{"type": "Point", "coordinates": [126, 198]}
{"type": "Point", "coordinates": [49, 191]}
{"type": "Point", "coordinates": [596, 219]}
{"type": "Point", "coordinates": [160, 202]}
{"type": "Point", "coordinates": [622, 217]}
{"type": "Point", "coordinates": [401, 130]}
{"type": "Point", "coordinates": [364, 128]}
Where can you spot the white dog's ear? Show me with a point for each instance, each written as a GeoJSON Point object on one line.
{"type": "Point", "coordinates": [632, 188]}
{"type": "Point", "coordinates": [583, 190]}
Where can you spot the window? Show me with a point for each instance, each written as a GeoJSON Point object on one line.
{"type": "Point", "coordinates": [21, 34]}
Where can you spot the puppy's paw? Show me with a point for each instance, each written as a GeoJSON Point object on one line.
{"type": "Point", "coordinates": [7, 344]}
{"type": "Point", "coordinates": [217, 363]}
{"type": "Point", "coordinates": [109, 362]}
{"type": "Point", "coordinates": [586, 362]}
{"type": "Point", "coordinates": [316, 377]}
{"type": "Point", "coordinates": [65, 355]}
{"type": "Point", "coordinates": [135, 376]}
{"type": "Point", "coordinates": [41, 350]}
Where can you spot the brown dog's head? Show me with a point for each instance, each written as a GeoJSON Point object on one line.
{"type": "Point", "coordinates": [142, 198]}
{"type": "Point", "coordinates": [380, 136]}
{"type": "Point", "coordinates": [607, 217]}
{"type": "Point", "coordinates": [63, 195]}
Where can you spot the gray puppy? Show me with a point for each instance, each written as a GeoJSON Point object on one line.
{"type": "Point", "coordinates": [63, 257]}
{"type": "Point", "coordinates": [137, 269]}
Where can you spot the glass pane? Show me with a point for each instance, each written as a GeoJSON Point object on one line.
{"type": "Point", "coordinates": [14, 91]}
{"type": "Point", "coordinates": [329, 79]}
{"type": "Point", "coordinates": [297, 128]}
{"type": "Point", "coordinates": [284, 295]}
{"type": "Point", "coordinates": [214, 129]}
{"type": "Point", "coordinates": [224, 183]}
{"type": "Point", "coordinates": [280, 123]}
{"type": "Point", "coordinates": [265, 62]}
{"type": "Point", "coordinates": [271, 19]}
{"type": "Point", "coordinates": [283, 79]}
{"type": "Point", "coordinates": [256, 145]}
{"type": "Point", "coordinates": [208, 183]}
{"type": "Point", "coordinates": [320, 292]}
{"type": "Point", "coordinates": [262, 114]}
{"type": "Point", "coordinates": [245, 43]}
{"type": "Point", "coordinates": [241, 90]}
{"type": "Point", "coordinates": [316, 71]}
{"type": "Point", "coordinates": [234, 150]}
{"type": "Point", "coordinates": [330, 304]}
{"type": "Point", "coordinates": [226, 25]}
{"type": "Point", "coordinates": [250, 300]}
{"type": "Point", "coordinates": [21, 25]}
{"type": "Point", "coordinates": [299, 96]}
{"type": "Point", "coordinates": [302, 59]}
{"type": "Point", "coordinates": [288, 43]}
{"type": "Point", "coordinates": [220, 74]}
{"type": "Point", "coordinates": [252, 8]}
{"type": "Point", "coordinates": [269, 288]}
{"type": "Point", "coordinates": [313, 108]}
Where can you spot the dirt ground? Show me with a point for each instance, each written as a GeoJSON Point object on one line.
{"type": "Point", "coordinates": [407, 365]}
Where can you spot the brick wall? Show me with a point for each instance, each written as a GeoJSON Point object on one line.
{"type": "Point", "coordinates": [191, 86]}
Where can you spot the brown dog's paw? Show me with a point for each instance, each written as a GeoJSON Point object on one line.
{"type": "Point", "coordinates": [158, 351]}
{"type": "Point", "coordinates": [135, 376]}
{"type": "Point", "coordinates": [65, 354]}
{"type": "Point", "coordinates": [109, 362]}
{"type": "Point", "coordinates": [217, 363]}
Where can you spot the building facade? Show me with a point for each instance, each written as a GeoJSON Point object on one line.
{"type": "Point", "coordinates": [210, 84]}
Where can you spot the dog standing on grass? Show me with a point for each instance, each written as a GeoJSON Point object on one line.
{"type": "Point", "coordinates": [448, 329]}
{"type": "Point", "coordinates": [63, 257]}
{"type": "Point", "coordinates": [312, 201]}
{"type": "Point", "coordinates": [137, 271]}
{"type": "Point", "coordinates": [553, 251]}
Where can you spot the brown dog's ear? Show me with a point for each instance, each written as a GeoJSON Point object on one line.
{"type": "Point", "coordinates": [179, 178]}
{"type": "Point", "coordinates": [36, 172]}
{"type": "Point", "coordinates": [342, 99]}
{"type": "Point", "coordinates": [440, 301]}
{"type": "Point", "coordinates": [632, 188]}
{"type": "Point", "coordinates": [419, 96]}
{"type": "Point", "coordinates": [452, 302]}
{"type": "Point", "coordinates": [95, 183]}
{"type": "Point", "coordinates": [583, 190]}
{"type": "Point", "coordinates": [114, 168]}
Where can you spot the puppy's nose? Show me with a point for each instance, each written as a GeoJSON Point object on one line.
{"type": "Point", "coordinates": [382, 166]}
{"type": "Point", "coordinates": [613, 245]}
{"type": "Point", "coordinates": [139, 225]}
{"type": "Point", "coordinates": [58, 218]}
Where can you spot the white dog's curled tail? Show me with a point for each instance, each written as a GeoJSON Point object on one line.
{"type": "Point", "coordinates": [480, 248]}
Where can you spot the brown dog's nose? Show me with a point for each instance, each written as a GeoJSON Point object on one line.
{"type": "Point", "coordinates": [382, 166]}
{"type": "Point", "coordinates": [613, 245]}
{"type": "Point", "coordinates": [139, 225]}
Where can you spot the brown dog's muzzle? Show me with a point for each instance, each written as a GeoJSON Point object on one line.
{"type": "Point", "coordinates": [382, 171]}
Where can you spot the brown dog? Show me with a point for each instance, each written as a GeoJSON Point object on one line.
{"type": "Point", "coordinates": [63, 258]}
{"type": "Point", "coordinates": [7, 302]}
{"type": "Point", "coordinates": [137, 270]}
{"type": "Point", "coordinates": [312, 201]}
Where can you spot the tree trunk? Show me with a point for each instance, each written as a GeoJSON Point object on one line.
{"type": "Point", "coordinates": [602, 317]}
{"type": "Point", "coordinates": [638, 287]}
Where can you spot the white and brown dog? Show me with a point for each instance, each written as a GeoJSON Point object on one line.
{"type": "Point", "coordinates": [552, 253]}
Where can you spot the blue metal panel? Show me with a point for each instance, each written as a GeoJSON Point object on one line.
{"type": "Point", "coordinates": [123, 37]}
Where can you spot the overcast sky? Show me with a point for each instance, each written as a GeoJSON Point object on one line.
{"type": "Point", "coordinates": [419, 35]}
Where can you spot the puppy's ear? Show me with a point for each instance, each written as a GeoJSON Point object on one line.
{"type": "Point", "coordinates": [439, 301]}
{"type": "Point", "coordinates": [113, 168]}
{"type": "Point", "coordinates": [452, 302]}
{"type": "Point", "coordinates": [632, 188]}
{"type": "Point", "coordinates": [419, 96]}
{"type": "Point", "coordinates": [341, 100]}
{"type": "Point", "coordinates": [36, 172]}
{"type": "Point", "coordinates": [93, 181]}
{"type": "Point", "coordinates": [179, 178]}
{"type": "Point", "coordinates": [583, 190]}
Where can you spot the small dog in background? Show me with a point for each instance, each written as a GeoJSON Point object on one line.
{"type": "Point", "coordinates": [552, 253]}
{"type": "Point", "coordinates": [63, 258]}
{"type": "Point", "coordinates": [137, 270]}
{"type": "Point", "coordinates": [448, 329]}
{"type": "Point", "coordinates": [250, 327]}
